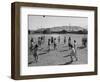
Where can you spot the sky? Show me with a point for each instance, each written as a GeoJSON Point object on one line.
{"type": "Point", "coordinates": [39, 21]}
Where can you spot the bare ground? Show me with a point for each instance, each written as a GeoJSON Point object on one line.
{"type": "Point", "coordinates": [59, 56]}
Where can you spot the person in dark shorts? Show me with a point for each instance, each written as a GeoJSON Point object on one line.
{"type": "Point", "coordinates": [69, 42]}
{"type": "Point", "coordinates": [31, 44]}
{"type": "Point", "coordinates": [35, 55]}
{"type": "Point", "coordinates": [48, 45]}
{"type": "Point", "coordinates": [55, 45]}
{"type": "Point", "coordinates": [52, 40]}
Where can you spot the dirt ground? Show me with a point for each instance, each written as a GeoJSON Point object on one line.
{"type": "Point", "coordinates": [58, 56]}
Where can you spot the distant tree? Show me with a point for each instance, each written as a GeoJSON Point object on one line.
{"type": "Point", "coordinates": [85, 31]}
{"type": "Point", "coordinates": [80, 32]}
{"type": "Point", "coordinates": [47, 31]}
{"type": "Point", "coordinates": [63, 31]}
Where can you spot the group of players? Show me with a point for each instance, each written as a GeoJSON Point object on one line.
{"type": "Point", "coordinates": [53, 42]}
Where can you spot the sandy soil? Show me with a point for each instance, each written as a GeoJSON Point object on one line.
{"type": "Point", "coordinates": [59, 56]}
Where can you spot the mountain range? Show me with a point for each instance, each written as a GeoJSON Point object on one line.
{"type": "Point", "coordinates": [61, 30]}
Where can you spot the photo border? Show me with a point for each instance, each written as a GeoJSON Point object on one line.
{"type": "Point", "coordinates": [15, 39]}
